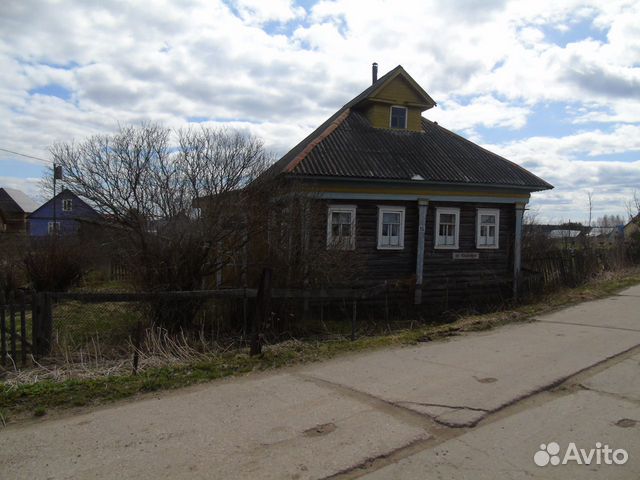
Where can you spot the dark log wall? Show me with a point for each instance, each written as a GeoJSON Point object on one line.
{"type": "Point", "coordinates": [446, 281]}
{"type": "Point", "coordinates": [385, 264]}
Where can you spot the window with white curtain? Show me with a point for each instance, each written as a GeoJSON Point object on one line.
{"type": "Point", "coordinates": [488, 228]}
{"type": "Point", "coordinates": [391, 228]}
{"type": "Point", "coordinates": [447, 228]}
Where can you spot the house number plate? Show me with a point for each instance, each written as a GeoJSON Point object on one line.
{"type": "Point", "coordinates": [466, 256]}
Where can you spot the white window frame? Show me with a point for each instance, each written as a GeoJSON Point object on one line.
{"type": "Point", "coordinates": [65, 202]}
{"type": "Point", "coordinates": [333, 243]}
{"type": "Point", "coordinates": [382, 209]}
{"type": "Point", "coordinates": [488, 211]}
{"type": "Point", "coordinates": [406, 117]}
{"type": "Point", "coordinates": [450, 211]}
{"type": "Point", "coordinates": [51, 229]}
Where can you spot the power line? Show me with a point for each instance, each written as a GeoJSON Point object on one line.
{"type": "Point", "coordinates": [25, 155]}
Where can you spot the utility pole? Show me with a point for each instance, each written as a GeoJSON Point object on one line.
{"type": "Point", "coordinates": [57, 175]}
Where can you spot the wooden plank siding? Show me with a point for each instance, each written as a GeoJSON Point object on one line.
{"type": "Point", "coordinates": [379, 115]}
{"type": "Point", "coordinates": [446, 281]}
{"type": "Point", "coordinates": [397, 92]}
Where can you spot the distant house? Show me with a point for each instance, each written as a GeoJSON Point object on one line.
{"type": "Point", "coordinates": [415, 200]}
{"type": "Point", "coordinates": [607, 235]}
{"type": "Point", "coordinates": [15, 206]}
{"type": "Point", "coordinates": [632, 227]}
{"type": "Point", "coordinates": [70, 211]}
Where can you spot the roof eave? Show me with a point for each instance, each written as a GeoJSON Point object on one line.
{"type": "Point", "coordinates": [394, 181]}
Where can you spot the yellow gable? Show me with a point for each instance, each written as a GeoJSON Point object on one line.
{"type": "Point", "coordinates": [399, 92]}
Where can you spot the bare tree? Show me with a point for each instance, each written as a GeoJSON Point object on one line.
{"type": "Point", "coordinates": [174, 198]}
{"type": "Point", "coordinates": [608, 221]}
{"type": "Point", "coordinates": [633, 206]}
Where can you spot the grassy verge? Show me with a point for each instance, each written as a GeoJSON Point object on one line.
{"type": "Point", "coordinates": [39, 398]}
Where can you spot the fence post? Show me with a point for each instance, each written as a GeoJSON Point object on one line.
{"type": "Point", "coordinates": [42, 320]}
{"type": "Point", "coordinates": [137, 342]}
{"type": "Point", "coordinates": [3, 329]}
{"type": "Point", "coordinates": [263, 302]}
{"type": "Point", "coordinates": [13, 332]}
{"type": "Point", "coordinates": [23, 328]}
{"type": "Point", "coordinates": [37, 308]}
{"type": "Point", "coordinates": [353, 319]}
{"type": "Point", "coordinates": [386, 301]}
{"type": "Point", "coordinates": [245, 315]}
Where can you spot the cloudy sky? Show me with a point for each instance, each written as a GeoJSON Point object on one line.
{"type": "Point", "coordinates": [552, 85]}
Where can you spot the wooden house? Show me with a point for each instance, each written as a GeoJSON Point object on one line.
{"type": "Point", "coordinates": [632, 227]}
{"type": "Point", "coordinates": [62, 214]}
{"type": "Point", "coordinates": [418, 201]}
{"type": "Point", "coordinates": [15, 207]}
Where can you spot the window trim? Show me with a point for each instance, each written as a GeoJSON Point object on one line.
{"type": "Point", "coordinates": [406, 116]}
{"type": "Point", "coordinates": [55, 229]}
{"type": "Point", "coordinates": [331, 244]}
{"type": "Point", "coordinates": [64, 203]}
{"type": "Point", "coordinates": [447, 210]}
{"type": "Point", "coordinates": [382, 209]}
{"type": "Point", "coordinates": [488, 211]}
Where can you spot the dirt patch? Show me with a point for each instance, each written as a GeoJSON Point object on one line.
{"type": "Point", "coordinates": [320, 430]}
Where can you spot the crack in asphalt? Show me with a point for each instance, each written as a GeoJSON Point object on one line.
{"type": "Point", "coordinates": [453, 407]}
{"type": "Point", "coordinates": [617, 396]}
{"type": "Point", "coordinates": [588, 325]}
{"type": "Point", "coordinates": [404, 414]}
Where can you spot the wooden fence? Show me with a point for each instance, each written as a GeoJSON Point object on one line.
{"type": "Point", "coordinates": [51, 310]}
{"type": "Point", "coordinates": [570, 269]}
{"type": "Point", "coordinates": [15, 334]}
{"type": "Point", "coordinates": [119, 271]}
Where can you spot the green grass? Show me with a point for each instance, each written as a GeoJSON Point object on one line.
{"type": "Point", "coordinates": [76, 323]}
{"type": "Point", "coordinates": [46, 396]}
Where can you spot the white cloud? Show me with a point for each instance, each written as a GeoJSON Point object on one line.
{"type": "Point", "coordinates": [484, 110]}
{"type": "Point", "coordinates": [278, 69]}
{"type": "Point", "coordinates": [572, 164]}
{"type": "Point", "coordinates": [259, 11]}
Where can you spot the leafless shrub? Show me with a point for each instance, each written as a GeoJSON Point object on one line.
{"type": "Point", "coordinates": [54, 264]}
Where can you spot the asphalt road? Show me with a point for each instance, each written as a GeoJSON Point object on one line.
{"type": "Point", "coordinates": [476, 406]}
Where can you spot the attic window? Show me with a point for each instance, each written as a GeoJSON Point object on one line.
{"type": "Point", "coordinates": [67, 205]}
{"type": "Point", "coordinates": [398, 117]}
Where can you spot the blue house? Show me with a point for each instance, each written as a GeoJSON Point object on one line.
{"type": "Point", "coordinates": [70, 210]}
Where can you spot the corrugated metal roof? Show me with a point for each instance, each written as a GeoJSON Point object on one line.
{"type": "Point", "coordinates": [355, 149]}
{"type": "Point", "coordinates": [347, 146]}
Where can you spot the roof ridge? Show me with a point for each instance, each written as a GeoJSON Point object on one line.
{"type": "Point", "coordinates": [316, 141]}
